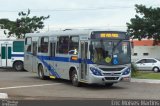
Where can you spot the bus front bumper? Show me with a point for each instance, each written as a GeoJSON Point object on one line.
{"type": "Point", "coordinates": [108, 79]}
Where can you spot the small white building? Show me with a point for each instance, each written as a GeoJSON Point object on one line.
{"type": "Point", "coordinates": [3, 36]}
{"type": "Point", "coordinates": [145, 49]}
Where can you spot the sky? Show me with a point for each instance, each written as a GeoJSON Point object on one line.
{"type": "Point", "coordinates": [77, 14]}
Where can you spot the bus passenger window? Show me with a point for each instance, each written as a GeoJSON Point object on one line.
{"type": "Point", "coordinates": [28, 42]}
{"type": "Point", "coordinates": [28, 48]}
{"type": "Point", "coordinates": [18, 46]}
{"type": "Point", "coordinates": [34, 48]}
{"type": "Point", "coordinates": [62, 45]}
{"type": "Point", "coordinates": [73, 45]}
{"type": "Point", "coordinates": [43, 47]}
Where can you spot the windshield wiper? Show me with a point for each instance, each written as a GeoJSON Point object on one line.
{"type": "Point", "coordinates": [117, 45]}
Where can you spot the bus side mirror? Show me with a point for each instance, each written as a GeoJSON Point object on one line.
{"type": "Point", "coordinates": [91, 48]}
{"type": "Point", "coordinates": [132, 44]}
{"type": "Point", "coordinates": [132, 48]}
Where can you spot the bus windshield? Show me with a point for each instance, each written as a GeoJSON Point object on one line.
{"type": "Point", "coordinates": [110, 52]}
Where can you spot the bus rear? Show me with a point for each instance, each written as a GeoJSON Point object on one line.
{"type": "Point", "coordinates": [12, 54]}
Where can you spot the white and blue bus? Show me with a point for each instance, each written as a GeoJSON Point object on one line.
{"type": "Point", "coordinates": [82, 56]}
{"type": "Point", "coordinates": [12, 53]}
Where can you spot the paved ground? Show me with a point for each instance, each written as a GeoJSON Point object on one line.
{"type": "Point", "coordinates": [25, 85]}
{"type": "Point", "coordinates": [153, 81]}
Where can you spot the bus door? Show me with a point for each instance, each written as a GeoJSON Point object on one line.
{"type": "Point", "coordinates": [6, 55]}
{"type": "Point", "coordinates": [34, 57]}
{"type": "Point", "coordinates": [83, 64]}
{"type": "Point", "coordinates": [52, 48]}
{"type": "Point", "coordinates": [27, 54]}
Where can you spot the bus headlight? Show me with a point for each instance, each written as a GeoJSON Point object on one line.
{"type": "Point", "coordinates": [126, 72]}
{"type": "Point", "coordinates": [95, 71]}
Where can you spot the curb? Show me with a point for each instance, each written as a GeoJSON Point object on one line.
{"type": "Point", "coordinates": [3, 96]}
{"type": "Point", "coordinates": [145, 81]}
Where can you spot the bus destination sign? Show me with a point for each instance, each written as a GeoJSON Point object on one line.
{"type": "Point", "coordinates": [109, 35]}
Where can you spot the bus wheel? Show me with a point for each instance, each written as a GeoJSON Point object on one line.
{"type": "Point", "coordinates": [41, 73]}
{"type": "Point", "coordinates": [74, 79]}
{"type": "Point", "coordinates": [18, 66]}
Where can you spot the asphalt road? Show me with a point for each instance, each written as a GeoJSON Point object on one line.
{"type": "Point", "coordinates": [27, 86]}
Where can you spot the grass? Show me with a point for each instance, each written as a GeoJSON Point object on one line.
{"type": "Point", "coordinates": [147, 75]}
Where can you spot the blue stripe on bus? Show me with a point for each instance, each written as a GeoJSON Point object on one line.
{"type": "Point", "coordinates": [66, 59]}
{"type": "Point", "coordinates": [17, 55]}
{"type": "Point", "coordinates": [49, 67]}
{"type": "Point", "coordinates": [60, 59]}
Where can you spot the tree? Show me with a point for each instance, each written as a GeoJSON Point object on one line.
{"type": "Point", "coordinates": [146, 23]}
{"type": "Point", "coordinates": [23, 25]}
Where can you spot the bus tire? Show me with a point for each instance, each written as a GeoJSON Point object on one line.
{"type": "Point", "coordinates": [41, 72]}
{"type": "Point", "coordinates": [74, 79]}
{"type": "Point", "coordinates": [18, 66]}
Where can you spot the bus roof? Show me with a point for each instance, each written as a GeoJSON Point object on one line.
{"type": "Point", "coordinates": [11, 39]}
{"type": "Point", "coordinates": [86, 32]}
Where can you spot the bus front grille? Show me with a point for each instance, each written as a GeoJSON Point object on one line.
{"type": "Point", "coordinates": [112, 69]}
{"type": "Point", "coordinates": [111, 74]}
